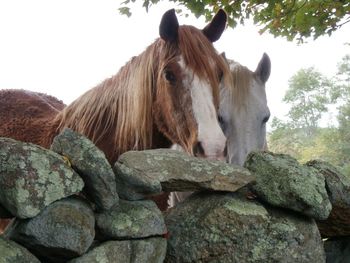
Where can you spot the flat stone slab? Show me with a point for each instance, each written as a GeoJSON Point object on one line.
{"type": "Point", "coordinates": [130, 220]}
{"type": "Point", "coordinates": [149, 172]}
{"type": "Point", "coordinates": [338, 186]}
{"type": "Point", "coordinates": [11, 252]}
{"type": "Point", "coordinates": [32, 177]}
{"type": "Point", "coordinates": [150, 250]}
{"type": "Point", "coordinates": [283, 182]}
{"type": "Point", "coordinates": [91, 164]}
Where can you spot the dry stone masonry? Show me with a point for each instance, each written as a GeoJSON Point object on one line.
{"type": "Point", "coordinates": [71, 205]}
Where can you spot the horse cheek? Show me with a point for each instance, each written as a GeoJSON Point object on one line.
{"type": "Point", "coordinates": [161, 111]}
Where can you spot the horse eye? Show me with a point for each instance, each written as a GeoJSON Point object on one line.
{"type": "Point", "coordinates": [170, 76]}
{"type": "Point", "coordinates": [266, 119]}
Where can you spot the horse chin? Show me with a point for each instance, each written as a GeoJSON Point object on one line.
{"type": "Point", "coordinates": [236, 160]}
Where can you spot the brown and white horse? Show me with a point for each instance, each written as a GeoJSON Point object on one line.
{"type": "Point", "coordinates": [169, 94]}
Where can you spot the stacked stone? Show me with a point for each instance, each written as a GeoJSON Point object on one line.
{"type": "Point", "coordinates": [280, 217]}
{"type": "Point", "coordinates": [71, 206]}
{"type": "Point", "coordinates": [67, 208]}
{"type": "Point", "coordinates": [316, 189]}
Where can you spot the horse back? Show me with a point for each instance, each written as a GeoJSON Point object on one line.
{"type": "Point", "coordinates": [28, 116]}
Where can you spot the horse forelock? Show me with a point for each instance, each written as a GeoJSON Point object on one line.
{"type": "Point", "coordinates": [240, 84]}
{"type": "Point", "coordinates": [201, 57]}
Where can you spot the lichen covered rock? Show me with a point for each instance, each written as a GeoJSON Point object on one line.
{"type": "Point", "coordinates": [63, 230]}
{"type": "Point", "coordinates": [338, 186]}
{"type": "Point", "coordinates": [11, 252]}
{"type": "Point", "coordinates": [228, 228]}
{"type": "Point", "coordinates": [130, 220]}
{"type": "Point", "coordinates": [91, 164]}
{"type": "Point", "coordinates": [282, 181]}
{"type": "Point", "coordinates": [150, 250]}
{"type": "Point", "coordinates": [32, 177]}
{"type": "Point", "coordinates": [141, 173]}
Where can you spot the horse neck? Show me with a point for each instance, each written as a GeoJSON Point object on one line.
{"type": "Point", "coordinates": [117, 114]}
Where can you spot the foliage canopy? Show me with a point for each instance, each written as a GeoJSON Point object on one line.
{"type": "Point", "coordinates": [293, 19]}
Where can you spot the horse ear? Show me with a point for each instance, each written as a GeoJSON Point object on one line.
{"type": "Point", "coordinates": [264, 68]}
{"type": "Point", "coordinates": [216, 27]}
{"type": "Point", "coordinates": [169, 26]}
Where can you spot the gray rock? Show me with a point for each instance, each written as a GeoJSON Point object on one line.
{"type": "Point", "coordinates": [282, 181]}
{"type": "Point", "coordinates": [11, 252]}
{"type": "Point", "coordinates": [32, 177]}
{"type": "Point", "coordinates": [141, 173]}
{"type": "Point", "coordinates": [337, 250]}
{"type": "Point", "coordinates": [63, 230]}
{"type": "Point", "coordinates": [338, 186]}
{"type": "Point", "coordinates": [151, 250]}
{"type": "Point", "coordinates": [130, 219]}
{"type": "Point", "coordinates": [218, 227]}
{"type": "Point", "coordinates": [107, 252]}
{"type": "Point", "coordinates": [92, 166]}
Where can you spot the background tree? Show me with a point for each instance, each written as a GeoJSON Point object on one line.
{"type": "Point", "coordinates": [301, 134]}
{"type": "Point", "coordinates": [284, 138]}
{"type": "Point", "coordinates": [293, 19]}
{"type": "Point", "coordinates": [342, 91]}
{"type": "Point", "coordinates": [308, 94]}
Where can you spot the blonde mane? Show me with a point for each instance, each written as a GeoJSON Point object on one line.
{"type": "Point", "coordinates": [119, 110]}
{"type": "Point", "coordinates": [241, 81]}
{"type": "Point", "coordinates": [119, 107]}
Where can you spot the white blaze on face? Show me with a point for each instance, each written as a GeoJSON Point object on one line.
{"type": "Point", "coordinates": [210, 135]}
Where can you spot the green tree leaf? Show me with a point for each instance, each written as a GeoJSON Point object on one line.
{"type": "Point", "coordinates": [293, 19]}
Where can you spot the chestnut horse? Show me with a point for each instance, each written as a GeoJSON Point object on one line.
{"type": "Point", "coordinates": [168, 94]}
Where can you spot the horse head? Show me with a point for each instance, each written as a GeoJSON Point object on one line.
{"type": "Point", "coordinates": [187, 95]}
{"type": "Point", "coordinates": [243, 111]}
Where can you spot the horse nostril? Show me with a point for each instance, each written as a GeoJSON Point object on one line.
{"type": "Point", "coordinates": [198, 149]}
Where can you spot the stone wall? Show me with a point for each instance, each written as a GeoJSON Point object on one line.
{"type": "Point", "coordinates": [70, 205]}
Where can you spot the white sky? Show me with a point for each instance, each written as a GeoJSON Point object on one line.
{"type": "Point", "coordinates": [65, 47]}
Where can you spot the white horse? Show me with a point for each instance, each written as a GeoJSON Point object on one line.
{"type": "Point", "coordinates": [243, 114]}
{"type": "Point", "coordinates": [243, 111]}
